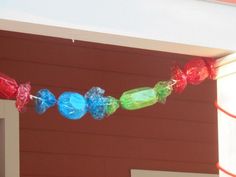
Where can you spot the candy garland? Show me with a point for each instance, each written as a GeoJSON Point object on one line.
{"type": "Point", "coordinates": [73, 105]}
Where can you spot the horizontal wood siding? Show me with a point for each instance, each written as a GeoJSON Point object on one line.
{"type": "Point", "coordinates": [180, 135]}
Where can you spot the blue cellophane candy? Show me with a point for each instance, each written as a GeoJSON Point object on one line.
{"type": "Point", "coordinates": [72, 105]}
{"type": "Point", "coordinates": [45, 99]}
{"type": "Point", "coordinates": [96, 102]}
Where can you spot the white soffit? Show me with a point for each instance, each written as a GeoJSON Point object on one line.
{"type": "Point", "coordinates": [181, 26]}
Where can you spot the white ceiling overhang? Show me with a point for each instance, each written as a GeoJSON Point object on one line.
{"type": "Point", "coordinates": [181, 26]}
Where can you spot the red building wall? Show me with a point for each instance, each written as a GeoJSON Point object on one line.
{"type": "Point", "coordinates": [178, 136]}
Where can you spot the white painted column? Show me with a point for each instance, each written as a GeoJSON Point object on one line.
{"type": "Point", "coordinates": [9, 139]}
{"type": "Point", "coordinates": [226, 95]}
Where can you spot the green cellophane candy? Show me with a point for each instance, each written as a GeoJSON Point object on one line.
{"type": "Point", "coordinates": [138, 98]}
{"type": "Point", "coordinates": [112, 105]}
{"type": "Point", "coordinates": [163, 89]}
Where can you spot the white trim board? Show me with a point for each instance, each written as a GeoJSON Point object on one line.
{"type": "Point", "coordinates": [152, 173]}
{"type": "Point", "coordinates": [9, 126]}
{"type": "Point", "coordinates": [109, 38]}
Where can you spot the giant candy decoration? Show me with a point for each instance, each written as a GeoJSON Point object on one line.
{"type": "Point", "coordinates": [96, 102]}
{"type": "Point", "coordinates": [146, 96]}
{"type": "Point", "coordinates": [194, 72]}
{"type": "Point", "coordinates": [74, 106]}
{"type": "Point", "coordinates": [9, 89]}
{"type": "Point", "coordinates": [44, 100]}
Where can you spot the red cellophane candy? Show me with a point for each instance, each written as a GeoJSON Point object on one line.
{"type": "Point", "coordinates": [210, 63]}
{"type": "Point", "coordinates": [8, 87]}
{"type": "Point", "coordinates": [196, 71]}
{"type": "Point", "coordinates": [181, 80]}
{"type": "Point", "coordinates": [23, 96]}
